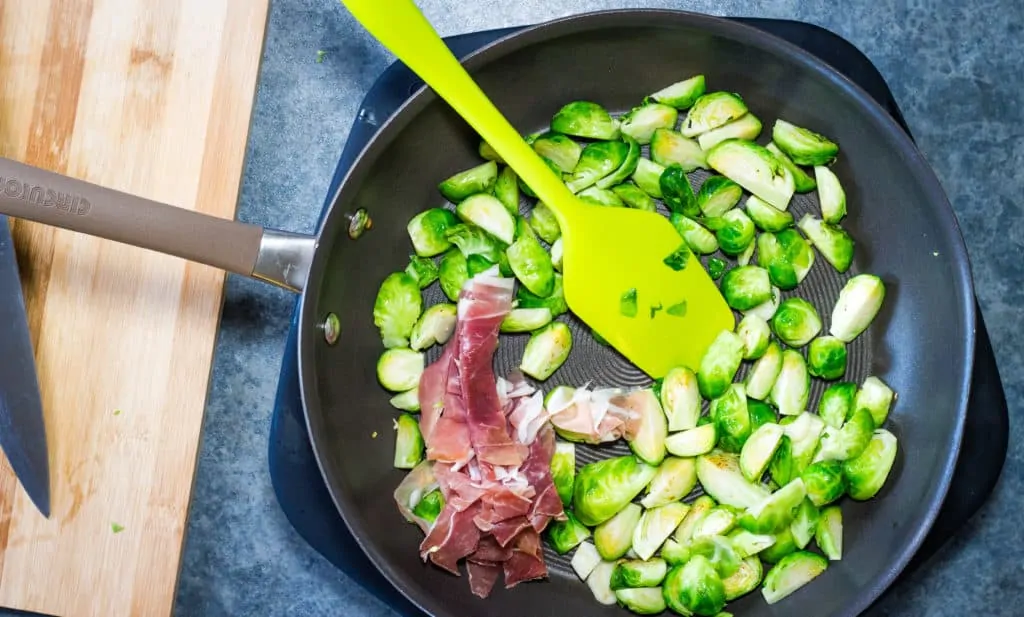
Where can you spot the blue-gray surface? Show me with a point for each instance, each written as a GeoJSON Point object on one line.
{"type": "Point", "coordinates": [955, 70]}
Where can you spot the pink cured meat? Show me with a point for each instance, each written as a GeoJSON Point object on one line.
{"type": "Point", "coordinates": [537, 469]}
{"type": "Point", "coordinates": [452, 537]}
{"type": "Point", "coordinates": [482, 307]}
{"type": "Point", "coordinates": [482, 576]}
{"type": "Point", "coordinates": [527, 561]}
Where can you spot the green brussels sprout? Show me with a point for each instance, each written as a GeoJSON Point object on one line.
{"type": "Point", "coordinates": [526, 320]}
{"type": "Point", "coordinates": [599, 159]}
{"type": "Point", "coordinates": [544, 223]}
{"type": "Point", "coordinates": [478, 179]}
{"type": "Point", "coordinates": [716, 267]}
{"type": "Point", "coordinates": [668, 147]}
{"type": "Point", "coordinates": [796, 322]}
{"type": "Point", "coordinates": [848, 441]}
{"type": "Point", "coordinates": [791, 573]}
{"type": "Point", "coordinates": [453, 272]}
{"type": "Point", "coordinates": [744, 258]}
{"type": "Point", "coordinates": [859, 301]}
{"type": "Point", "coordinates": [831, 195]}
{"type": "Point", "coordinates": [745, 287]}
{"type": "Point", "coordinates": [693, 441]}
{"type": "Point", "coordinates": [428, 231]}
{"type": "Point", "coordinates": [824, 482]}
{"type": "Point", "coordinates": [776, 511]}
{"type": "Point", "coordinates": [563, 470]}
{"type": "Point", "coordinates": [787, 257]}
{"type": "Point", "coordinates": [555, 302]}
{"type": "Point", "coordinates": [804, 432]}
{"type": "Point", "coordinates": [429, 507]}
{"type": "Point", "coordinates": [720, 475]}
{"type": "Point", "coordinates": [746, 127]}
{"type": "Point", "coordinates": [826, 357]}
{"type": "Point", "coordinates": [792, 386]}
{"type": "Point", "coordinates": [406, 401]}
{"type": "Point", "coordinates": [875, 396]}
{"type": "Point", "coordinates": [626, 169]}
{"type": "Point", "coordinates": [487, 151]}
{"type": "Point", "coordinates": [745, 579]}
{"type": "Point", "coordinates": [423, 270]}
{"type": "Point", "coordinates": [646, 438]}
{"type": "Point", "coordinates": [584, 560]}
{"type": "Point", "coordinates": [506, 190]}
{"type": "Point", "coordinates": [674, 480]}
{"type": "Point", "coordinates": [585, 119]}
{"type": "Point", "coordinates": [747, 544]}
{"type": "Point", "coordinates": [867, 473]}
{"type": "Point", "coordinates": [546, 351]}
{"type": "Point", "coordinates": [766, 216]}
{"type": "Point", "coordinates": [782, 546]}
{"type": "Point", "coordinates": [642, 600]}
{"type": "Point", "coordinates": [759, 450]}
{"type": "Point", "coordinates": [486, 212]}
{"type": "Point", "coordinates": [718, 195]}
{"type": "Point", "coordinates": [762, 376]}
{"type": "Point", "coordinates": [635, 573]}
{"type": "Point", "coordinates": [408, 442]}
{"type": "Point", "coordinates": [836, 403]}
{"type": "Point", "coordinates": [634, 197]}
{"type": "Point", "coordinates": [647, 176]}
{"type": "Point", "coordinates": [832, 241]}
{"type": "Point", "coordinates": [681, 94]}
{"type": "Point", "coordinates": [711, 111]}
{"type": "Point", "coordinates": [732, 421]}
{"type": "Point", "coordinates": [472, 240]}
{"type": "Point", "coordinates": [802, 181]}
{"type": "Point", "coordinates": [434, 327]}
{"type": "Point", "coordinates": [767, 309]}
{"type": "Point", "coordinates": [605, 487]}
{"type": "Point", "coordinates": [655, 526]}
{"type": "Point", "coordinates": [614, 537]}
{"type": "Point", "coordinates": [680, 398]}
{"type": "Point", "coordinates": [556, 255]}
{"type": "Point", "coordinates": [753, 167]}
{"type": "Point", "coordinates": [781, 466]}
{"type": "Point", "coordinates": [760, 413]}
{"type": "Point", "coordinates": [641, 122]}
{"type": "Point", "coordinates": [399, 369]}
{"type": "Point", "coordinates": [568, 534]}
{"type": "Point", "coordinates": [559, 149]}
{"type": "Point", "coordinates": [719, 364]}
{"type": "Point", "coordinates": [717, 549]}
{"type": "Point", "coordinates": [677, 192]}
{"type": "Point", "coordinates": [529, 192]}
{"type": "Point", "coordinates": [694, 588]}
{"type": "Point", "coordinates": [477, 264]}
{"type": "Point", "coordinates": [803, 146]}
{"type": "Point", "coordinates": [532, 265]}
{"type": "Point", "coordinates": [699, 239]}
{"type": "Point", "coordinates": [717, 521]}
{"type": "Point", "coordinates": [684, 532]}
{"type": "Point", "coordinates": [397, 307]}
{"type": "Point", "coordinates": [601, 197]}
{"type": "Point", "coordinates": [804, 522]}
{"type": "Point", "coordinates": [828, 533]}
{"type": "Point", "coordinates": [754, 332]}
{"type": "Point", "coordinates": [736, 233]}
{"type": "Point", "coordinates": [600, 581]}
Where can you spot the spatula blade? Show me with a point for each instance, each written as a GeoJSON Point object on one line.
{"type": "Point", "coordinates": [610, 253]}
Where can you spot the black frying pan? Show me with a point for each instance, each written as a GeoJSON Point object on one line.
{"type": "Point", "coordinates": [922, 344]}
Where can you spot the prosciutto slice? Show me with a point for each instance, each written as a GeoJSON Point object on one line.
{"type": "Point", "coordinates": [489, 446]}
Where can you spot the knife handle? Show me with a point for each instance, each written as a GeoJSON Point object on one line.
{"type": "Point", "coordinates": [49, 198]}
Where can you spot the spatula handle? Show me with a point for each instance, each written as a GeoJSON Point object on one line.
{"type": "Point", "coordinates": [42, 196]}
{"type": "Point", "coordinates": [401, 27]}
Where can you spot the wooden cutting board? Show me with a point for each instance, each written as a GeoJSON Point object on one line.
{"type": "Point", "coordinates": [152, 97]}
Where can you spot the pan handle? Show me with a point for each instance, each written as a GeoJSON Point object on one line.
{"type": "Point", "coordinates": [42, 196]}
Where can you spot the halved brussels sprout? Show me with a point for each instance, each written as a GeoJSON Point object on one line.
{"type": "Point", "coordinates": [694, 588]}
{"type": "Point", "coordinates": [747, 544]}
{"type": "Point", "coordinates": [526, 320]}
{"type": "Point", "coordinates": [684, 532]}
{"type": "Point", "coordinates": [719, 473]}
{"type": "Point", "coordinates": [717, 549]}
{"type": "Point", "coordinates": [674, 480]}
{"type": "Point", "coordinates": [646, 437]}
{"type": "Point", "coordinates": [840, 444]}
{"type": "Point", "coordinates": [693, 441]}
{"type": "Point", "coordinates": [626, 169]}
{"type": "Point", "coordinates": [506, 189]}
{"type": "Point", "coordinates": [584, 560]}
{"type": "Point", "coordinates": [599, 583]}
{"type": "Point", "coordinates": [434, 327]}
{"type": "Point", "coordinates": [803, 524]}
{"type": "Point", "coordinates": [830, 194]}
{"type": "Point", "coordinates": [859, 301]}
{"type": "Point", "coordinates": [719, 364]}
{"type": "Point", "coordinates": [478, 179]}
{"type": "Point", "coordinates": [829, 533]}
{"type": "Point", "coordinates": [867, 473]}
{"type": "Point", "coordinates": [747, 126]}
{"type": "Point", "coordinates": [487, 213]}
{"type": "Point", "coordinates": [732, 420]}
{"type": "Point", "coordinates": [745, 287]}
{"type": "Point", "coordinates": [791, 573]}
{"type": "Point", "coordinates": [585, 119]}
{"type": "Point", "coordinates": [832, 241]}
{"type": "Point", "coordinates": [557, 253]}
{"type": "Point", "coordinates": [766, 216]}
{"type": "Point", "coordinates": [761, 378]}
{"type": "Point", "coordinates": [875, 396]}
{"type": "Point", "coordinates": [559, 149]}
{"type": "Point", "coordinates": [408, 442]}
{"type": "Point", "coordinates": [744, 580]}
{"type": "Point", "coordinates": [776, 511]}
{"type": "Point", "coordinates": [760, 413]}
{"type": "Point", "coordinates": [453, 272]}
{"type": "Point", "coordinates": [669, 147]}
{"type": "Point", "coordinates": [804, 432]}
{"type": "Point", "coordinates": [681, 94]}
{"type": "Point", "coordinates": [555, 302]}
{"type": "Point", "coordinates": [642, 600]}
{"type": "Point", "coordinates": [680, 398]}
{"type": "Point", "coordinates": [634, 197]}
{"type": "Point", "coordinates": [406, 401]}
{"type": "Point", "coordinates": [796, 322]}
{"type": "Point", "coordinates": [754, 168]}
{"type": "Point", "coordinates": [718, 195]}
{"type": "Point", "coordinates": [532, 265]}
{"type": "Point", "coordinates": [826, 357]}
{"type": "Point", "coordinates": [428, 231]}
{"type": "Point", "coordinates": [736, 233]}
{"type": "Point", "coordinates": [647, 176]}
{"type": "Point", "coordinates": [803, 146]}
{"type": "Point", "coordinates": [677, 192]}
{"type": "Point", "coordinates": [655, 526]}
{"type": "Point", "coordinates": [399, 369]}
{"type": "Point", "coordinates": [718, 521]}
{"type": "Point", "coordinates": [544, 223]}
{"type": "Point", "coordinates": [792, 386]}
{"type": "Point", "coordinates": [781, 467]}
{"type": "Point", "coordinates": [755, 334]}
{"type": "Point", "coordinates": [599, 159]}
{"type": "Point", "coordinates": [641, 122]}
{"type": "Point", "coordinates": [786, 255]}
{"type": "Point", "coordinates": [759, 450]}
{"type": "Point", "coordinates": [605, 487]}
{"type": "Point", "coordinates": [563, 470]}
{"type": "Point", "coordinates": [614, 537]}
{"type": "Point", "coordinates": [636, 573]}
{"type": "Point", "coordinates": [803, 182]}
{"type": "Point", "coordinates": [711, 111]}
{"type": "Point", "coordinates": [824, 482]}
{"type": "Point", "coordinates": [396, 309]}
{"type": "Point", "coordinates": [767, 310]}
{"type": "Point", "coordinates": [472, 240]}
{"type": "Point", "coordinates": [697, 237]}
{"type": "Point", "coordinates": [423, 270]}
{"type": "Point", "coordinates": [836, 403]}
{"type": "Point", "coordinates": [547, 350]}
{"type": "Point", "coordinates": [568, 534]}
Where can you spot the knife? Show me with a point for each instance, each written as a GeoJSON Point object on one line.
{"type": "Point", "coordinates": [22, 428]}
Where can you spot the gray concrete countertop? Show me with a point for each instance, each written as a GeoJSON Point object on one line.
{"type": "Point", "coordinates": [955, 70]}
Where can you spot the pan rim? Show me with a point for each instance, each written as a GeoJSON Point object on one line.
{"type": "Point", "coordinates": [719, 26]}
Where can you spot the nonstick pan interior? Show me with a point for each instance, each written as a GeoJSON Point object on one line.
{"type": "Point", "coordinates": [921, 343]}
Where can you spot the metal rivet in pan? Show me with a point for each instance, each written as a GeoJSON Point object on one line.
{"type": "Point", "coordinates": [358, 223]}
{"type": "Point", "coordinates": [331, 328]}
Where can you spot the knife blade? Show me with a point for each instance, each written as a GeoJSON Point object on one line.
{"type": "Point", "coordinates": [22, 426]}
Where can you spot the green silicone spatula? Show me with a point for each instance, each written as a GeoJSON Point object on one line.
{"type": "Point", "coordinates": [626, 272]}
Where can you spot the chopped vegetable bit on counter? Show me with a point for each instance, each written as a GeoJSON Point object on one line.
{"type": "Point", "coordinates": [490, 461]}
{"type": "Point", "coordinates": [320, 55]}
{"type": "Point", "coordinates": [116, 528]}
